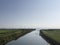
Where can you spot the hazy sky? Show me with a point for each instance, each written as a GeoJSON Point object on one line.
{"type": "Point", "coordinates": [29, 13]}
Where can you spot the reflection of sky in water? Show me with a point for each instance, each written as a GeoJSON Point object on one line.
{"type": "Point", "coordinates": [32, 38]}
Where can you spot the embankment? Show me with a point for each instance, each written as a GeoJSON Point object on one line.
{"type": "Point", "coordinates": [13, 36]}
{"type": "Point", "coordinates": [48, 39]}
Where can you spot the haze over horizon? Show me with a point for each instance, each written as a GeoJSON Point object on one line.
{"type": "Point", "coordinates": [29, 13]}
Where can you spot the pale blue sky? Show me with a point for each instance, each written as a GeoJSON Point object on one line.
{"type": "Point", "coordinates": [29, 13]}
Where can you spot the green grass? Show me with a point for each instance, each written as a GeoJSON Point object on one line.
{"type": "Point", "coordinates": [54, 34]}
{"type": "Point", "coordinates": [8, 32]}
{"type": "Point", "coordinates": [7, 35]}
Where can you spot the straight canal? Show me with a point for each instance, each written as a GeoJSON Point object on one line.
{"type": "Point", "coordinates": [32, 38]}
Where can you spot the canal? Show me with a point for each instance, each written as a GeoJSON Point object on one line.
{"type": "Point", "coordinates": [32, 38]}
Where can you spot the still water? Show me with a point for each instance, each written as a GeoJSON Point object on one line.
{"type": "Point", "coordinates": [32, 38]}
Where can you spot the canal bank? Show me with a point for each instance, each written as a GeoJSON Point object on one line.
{"type": "Point", "coordinates": [7, 35]}
{"type": "Point", "coordinates": [49, 39]}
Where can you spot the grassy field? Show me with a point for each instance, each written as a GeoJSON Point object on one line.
{"type": "Point", "coordinates": [7, 35]}
{"type": "Point", "coordinates": [8, 32]}
{"type": "Point", "coordinates": [53, 34]}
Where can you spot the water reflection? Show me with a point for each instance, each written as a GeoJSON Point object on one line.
{"type": "Point", "coordinates": [32, 38]}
